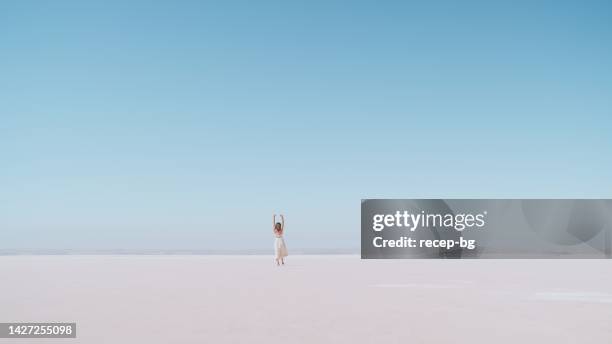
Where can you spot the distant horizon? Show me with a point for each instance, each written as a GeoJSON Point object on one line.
{"type": "Point", "coordinates": [261, 252]}
{"type": "Point", "coordinates": [295, 251]}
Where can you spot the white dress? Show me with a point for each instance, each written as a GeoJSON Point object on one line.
{"type": "Point", "coordinates": [280, 249]}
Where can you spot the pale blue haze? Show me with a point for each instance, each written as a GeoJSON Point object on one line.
{"type": "Point", "coordinates": [186, 124]}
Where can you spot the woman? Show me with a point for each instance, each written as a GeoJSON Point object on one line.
{"type": "Point", "coordinates": [280, 249]}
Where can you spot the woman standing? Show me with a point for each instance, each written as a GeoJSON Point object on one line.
{"type": "Point", "coordinates": [280, 249]}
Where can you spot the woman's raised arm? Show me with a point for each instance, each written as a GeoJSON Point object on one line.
{"type": "Point", "coordinates": [282, 222]}
{"type": "Point", "coordinates": [273, 222]}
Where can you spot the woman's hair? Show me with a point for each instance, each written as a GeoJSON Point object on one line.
{"type": "Point", "coordinates": [278, 226]}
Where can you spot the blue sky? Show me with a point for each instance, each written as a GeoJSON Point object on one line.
{"type": "Point", "coordinates": [186, 124]}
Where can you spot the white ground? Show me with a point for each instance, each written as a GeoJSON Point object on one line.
{"type": "Point", "coordinates": [313, 299]}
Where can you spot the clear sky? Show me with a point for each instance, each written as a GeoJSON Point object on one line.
{"type": "Point", "coordinates": [186, 124]}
